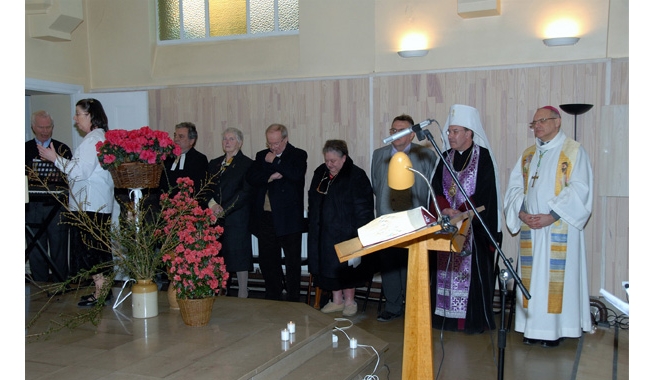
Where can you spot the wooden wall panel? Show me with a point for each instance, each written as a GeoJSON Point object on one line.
{"type": "Point", "coordinates": [313, 112]}
{"type": "Point", "coordinates": [360, 110]}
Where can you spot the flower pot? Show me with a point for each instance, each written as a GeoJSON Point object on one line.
{"type": "Point", "coordinates": [144, 299]}
{"type": "Point", "coordinates": [171, 296]}
{"type": "Point", "coordinates": [196, 312]}
{"type": "Point", "coordinates": [136, 175]}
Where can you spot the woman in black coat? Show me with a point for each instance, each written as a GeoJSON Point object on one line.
{"type": "Point", "coordinates": [340, 201]}
{"type": "Point", "coordinates": [230, 199]}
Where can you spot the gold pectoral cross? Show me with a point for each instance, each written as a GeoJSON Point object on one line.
{"type": "Point", "coordinates": [534, 179]}
{"type": "Point", "coordinates": [541, 154]}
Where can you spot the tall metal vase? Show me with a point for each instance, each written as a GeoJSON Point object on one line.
{"type": "Point", "coordinates": [144, 299]}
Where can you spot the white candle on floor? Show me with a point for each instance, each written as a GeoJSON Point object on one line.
{"type": "Point", "coordinates": [284, 335]}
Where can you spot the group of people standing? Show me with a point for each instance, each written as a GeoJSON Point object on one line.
{"type": "Point", "coordinates": [264, 196]}
{"type": "Point", "coordinates": [549, 209]}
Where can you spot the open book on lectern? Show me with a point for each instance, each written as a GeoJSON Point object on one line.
{"type": "Point", "coordinates": [390, 226]}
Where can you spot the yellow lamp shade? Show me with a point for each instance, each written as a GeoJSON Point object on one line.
{"type": "Point", "coordinates": [399, 175]}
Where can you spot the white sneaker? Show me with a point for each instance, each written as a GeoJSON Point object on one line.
{"type": "Point", "coordinates": [331, 307]}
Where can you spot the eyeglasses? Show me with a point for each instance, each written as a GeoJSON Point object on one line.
{"type": "Point", "coordinates": [393, 130]}
{"type": "Point", "coordinates": [326, 176]}
{"type": "Point", "coordinates": [540, 121]}
{"type": "Point", "coordinates": [456, 131]}
{"type": "Point", "coordinates": [274, 145]}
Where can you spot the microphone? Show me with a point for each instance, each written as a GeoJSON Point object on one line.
{"type": "Point", "coordinates": [414, 128]}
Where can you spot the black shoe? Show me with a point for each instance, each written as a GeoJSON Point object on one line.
{"type": "Point", "coordinates": [531, 342]}
{"type": "Point", "coordinates": [109, 296]}
{"type": "Point", "coordinates": [386, 316]}
{"type": "Point", "coordinates": [90, 302]}
{"type": "Point", "coordinates": [87, 297]}
{"type": "Point", "coordinates": [551, 343]}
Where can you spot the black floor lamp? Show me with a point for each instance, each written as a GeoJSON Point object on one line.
{"type": "Point", "coordinates": [575, 110]}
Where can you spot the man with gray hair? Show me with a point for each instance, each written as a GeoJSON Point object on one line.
{"type": "Point", "coordinates": [36, 212]}
{"type": "Point", "coordinates": [191, 163]}
{"type": "Point", "coordinates": [277, 215]}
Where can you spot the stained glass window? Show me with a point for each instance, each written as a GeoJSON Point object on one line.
{"type": "Point", "coordinates": [191, 20]}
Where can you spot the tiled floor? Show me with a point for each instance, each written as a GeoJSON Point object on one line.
{"type": "Point", "coordinates": [457, 356]}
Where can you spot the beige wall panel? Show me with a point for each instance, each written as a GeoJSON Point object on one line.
{"type": "Point", "coordinates": [615, 257]}
{"type": "Point", "coordinates": [620, 72]}
{"type": "Point", "coordinates": [614, 151]}
{"type": "Point", "coordinates": [115, 46]}
{"type": "Point", "coordinates": [65, 62]}
{"type": "Point", "coordinates": [618, 43]}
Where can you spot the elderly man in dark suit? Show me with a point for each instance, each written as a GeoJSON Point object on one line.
{"type": "Point", "coordinates": [393, 261]}
{"type": "Point", "coordinates": [278, 175]}
{"type": "Point", "coordinates": [36, 212]}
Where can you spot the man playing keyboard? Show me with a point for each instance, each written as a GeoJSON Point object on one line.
{"type": "Point", "coordinates": [37, 210]}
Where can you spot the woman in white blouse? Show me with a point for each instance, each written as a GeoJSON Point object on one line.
{"type": "Point", "coordinates": [91, 191]}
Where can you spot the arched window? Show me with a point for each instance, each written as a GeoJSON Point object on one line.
{"type": "Point", "coordinates": [193, 20]}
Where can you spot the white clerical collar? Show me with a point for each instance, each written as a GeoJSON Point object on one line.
{"type": "Point", "coordinates": [180, 160]}
{"type": "Point", "coordinates": [461, 152]}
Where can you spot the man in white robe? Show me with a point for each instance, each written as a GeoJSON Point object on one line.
{"type": "Point", "coordinates": [549, 198]}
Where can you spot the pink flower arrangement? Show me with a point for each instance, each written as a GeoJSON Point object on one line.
{"type": "Point", "coordinates": [195, 267]}
{"type": "Point", "coordinates": [139, 145]}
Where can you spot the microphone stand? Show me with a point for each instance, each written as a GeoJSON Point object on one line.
{"type": "Point", "coordinates": [443, 220]}
{"type": "Point", "coordinates": [422, 134]}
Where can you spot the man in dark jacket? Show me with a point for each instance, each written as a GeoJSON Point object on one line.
{"type": "Point", "coordinates": [191, 163]}
{"type": "Point", "coordinates": [277, 215]}
{"type": "Point", "coordinates": [37, 210]}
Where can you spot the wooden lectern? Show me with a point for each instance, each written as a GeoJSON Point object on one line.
{"type": "Point", "coordinates": [417, 359]}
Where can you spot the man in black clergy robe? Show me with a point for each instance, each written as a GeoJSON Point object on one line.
{"type": "Point", "coordinates": [191, 163]}
{"type": "Point", "coordinates": [462, 285]}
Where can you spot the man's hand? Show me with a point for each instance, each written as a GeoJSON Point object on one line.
{"type": "Point", "coordinates": [48, 153]}
{"type": "Point", "coordinates": [536, 221]}
{"type": "Point", "coordinates": [275, 176]}
{"type": "Point", "coordinates": [450, 212]}
{"type": "Point", "coordinates": [217, 209]}
{"type": "Point", "coordinates": [270, 156]}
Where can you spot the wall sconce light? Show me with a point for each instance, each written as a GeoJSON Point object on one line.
{"type": "Point", "coordinates": [413, 45]}
{"type": "Point", "coordinates": [561, 41]}
{"type": "Point", "coordinates": [412, 53]}
{"type": "Point", "coordinates": [557, 32]}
